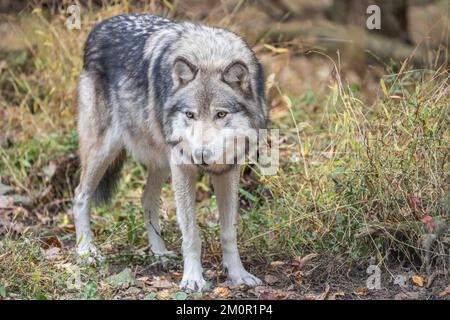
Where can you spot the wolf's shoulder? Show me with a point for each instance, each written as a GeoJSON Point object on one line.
{"type": "Point", "coordinates": [121, 39]}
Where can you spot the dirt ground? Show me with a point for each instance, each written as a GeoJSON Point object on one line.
{"type": "Point", "coordinates": [321, 278]}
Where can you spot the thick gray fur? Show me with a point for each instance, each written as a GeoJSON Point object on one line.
{"type": "Point", "coordinates": [149, 85]}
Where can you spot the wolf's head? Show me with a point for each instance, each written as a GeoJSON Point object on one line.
{"type": "Point", "coordinates": [212, 116]}
{"type": "Point", "coordinates": [216, 103]}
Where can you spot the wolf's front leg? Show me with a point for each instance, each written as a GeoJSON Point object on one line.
{"type": "Point", "coordinates": [226, 187]}
{"type": "Point", "coordinates": [183, 181]}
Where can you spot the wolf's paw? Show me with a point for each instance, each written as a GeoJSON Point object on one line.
{"type": "Point", "coordinates": [193, 283]}
{"type": "Point", "coordinates": [89, 255]}
{"type": "Point", "coordinates": [244, 278]}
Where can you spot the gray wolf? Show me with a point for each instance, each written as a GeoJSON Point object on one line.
{"type": "Point", "coordinates": [148, 86]}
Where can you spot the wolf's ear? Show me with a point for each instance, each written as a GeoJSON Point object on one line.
{"type": "Point", "coordinates": [183, 71]}
{"type": "Point", "coordinates": [238, 77]}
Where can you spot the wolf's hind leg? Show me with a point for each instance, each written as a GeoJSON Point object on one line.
{"type": "Point", "coordinates": [100, 158]}
{"type": "Point", "coordinates": [99, 147]}
{"type": "Point", "coordinates": [150, 202]}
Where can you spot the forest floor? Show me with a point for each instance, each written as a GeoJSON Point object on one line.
{"type": "Point", "coordinates": [362, 189]}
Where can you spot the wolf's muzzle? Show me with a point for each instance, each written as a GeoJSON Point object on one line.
{"type": "Point", "coordinates": [202, 155]}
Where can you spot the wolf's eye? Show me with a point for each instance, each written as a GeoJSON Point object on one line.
{"type": "Point", "coordinates": [190, 115]}
{"type": "Point", "coordinates": [221, 114]}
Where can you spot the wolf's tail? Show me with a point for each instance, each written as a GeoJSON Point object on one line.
{"type": "Point", "coordinates": [110, 180]}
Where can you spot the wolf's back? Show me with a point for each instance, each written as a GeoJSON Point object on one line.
{"type": "Point", "coordinates": [120, 41]}
{"type": "Point", "coordinates": [140, 50]}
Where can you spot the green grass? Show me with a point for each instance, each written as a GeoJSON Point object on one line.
{"type": "Point", "coordinates": [353, 189]}
{"type": "Point", "coordinates": [355, 180]}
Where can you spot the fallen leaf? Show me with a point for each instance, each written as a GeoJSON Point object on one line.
{"type": "Point", "coordinates": [164, 294]}
{"type": "Point", "coordinates": [446, 292]}
{"type": "Point", "coordinates": [241, 287]}
{"type": "Point", "coordinates": [298, 277]}
{"type": "Point", "coordinates": [270, 279]}
{"type": "Point", "coordinates": [336, 294]}
{"type": "Point", "coordinates": [221, 292]}
{"type": "Point", "coordinates": [362, 291]}
{"type": "Point", "coordinates": [300, 262]}
{"type": "Point", "coordinates": [176, 276]}
{"type": "Point", "coordinates": [417, 280]}
{"type": "Point", "coordinates": [275, 264]}
{"type": "Point", "coordinates": [142, 282]}
{"type": "Point", "coordinates": [143, 279]}
{"type": "Point", "coordinates": [280, 294]}
{"type": "Point", "coordinates": [107, 247]}
{"type": "Point", "coordinates": [260, 290]}
{"type": "Point", "coordinates": [52, 241]}
{"type": "Point", "coordinates": [267, 293]}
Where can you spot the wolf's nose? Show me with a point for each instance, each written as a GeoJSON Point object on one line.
{"type": "Point", "coordinates": [202, 154]}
